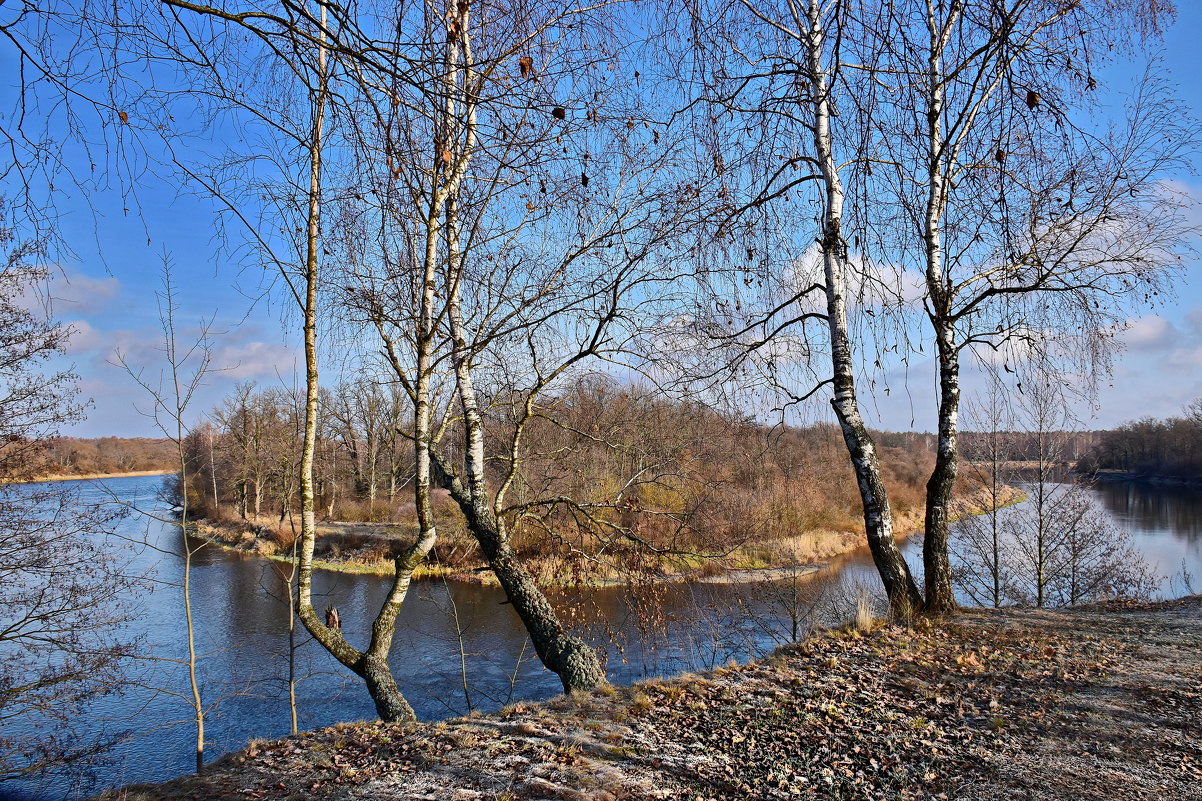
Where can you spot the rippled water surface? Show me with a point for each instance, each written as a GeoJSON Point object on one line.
{"type": "Point", "coordinates": [458, 646]}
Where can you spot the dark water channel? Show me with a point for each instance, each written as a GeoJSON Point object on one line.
{"type": "Point", "coordinates": [458, 646]}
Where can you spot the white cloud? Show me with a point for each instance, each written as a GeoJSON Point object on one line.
{"type": "Point", "coordinates": [1151, 333]}
{"type": "Point", "coordinates": [255, 360]}
{"type": "Point", "coordinates": [85, 337]}
{"type": "Point", "coordinates": [72, 293]}
{"type": "Point", "coordinates": [1194, 319]}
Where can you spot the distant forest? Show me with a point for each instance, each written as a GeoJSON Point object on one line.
{"type": "Point", "coordinates": [370, 469]}
{"type": "Point", "coordinates": [1170, 447]}
{"type": "Point", "coordinates": [73, 456]}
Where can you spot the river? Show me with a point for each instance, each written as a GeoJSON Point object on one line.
{"type": "Point", "coordinates": [459, 647]}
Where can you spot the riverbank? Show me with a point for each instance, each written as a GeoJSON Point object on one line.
{"type": "Point", "coordinates": [367, 548]}
{"type": "Point", "coordinates": [1098, 703]}
{"type": "Point", "coordinates": [1147, 479]}
{"type": "Point", "coordinates": [92, 476]}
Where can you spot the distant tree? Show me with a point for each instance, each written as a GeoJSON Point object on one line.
{"type": "Point", "coordinates": [1169, 447]}
{"type": "Point", "coordinates": [1058, 548]}
{"type": "Point", "coordinates": [980, 551]}
{"type": "Point", "coordinates": [61, 584]}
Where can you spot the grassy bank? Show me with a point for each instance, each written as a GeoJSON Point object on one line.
{"type": "Point", "coordinates": [93, 476]}
{"type": "Point", "coordinates": [367, 548]}
{"type": "Point", "coordinates": [1085, 704]}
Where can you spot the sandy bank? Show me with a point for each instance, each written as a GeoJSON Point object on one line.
{"type": "Point", "coordinates": [93, 476]}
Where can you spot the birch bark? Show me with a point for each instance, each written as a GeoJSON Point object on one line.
{"type": "Point", "coordinates": [370, 664]}
{"type": "Point", "coordinates": [904, 599]}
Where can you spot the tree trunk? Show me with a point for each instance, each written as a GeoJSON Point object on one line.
{"type": "Point", "coordinates": [390, 704]}
{"type": "Point", "coordinates": [571, 658]}
{"type": "Point", "coordinates": [900, 588]}
{"type": "Point", "coordinates": [940, 294]}
{"type": "Point", "coordinates": [940, 596]}
{"type": "Point", "coordinates": [372, 664]}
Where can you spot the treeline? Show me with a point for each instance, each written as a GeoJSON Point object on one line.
{"type": "Point", "coordinates": [1170, 447]}
{"type": "Point", "coordinates": [75, 456]}
{"type": "Point", "coordinates": [603, 468]}
{"type": "Point", "coordinates": [1030, 446]}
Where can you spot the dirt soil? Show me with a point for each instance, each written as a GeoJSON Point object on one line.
{"type": "Point", "coordinates": [1100, 703]}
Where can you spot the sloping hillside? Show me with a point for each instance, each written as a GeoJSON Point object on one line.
{"type": "Point", "coordinates": [1101, 703]}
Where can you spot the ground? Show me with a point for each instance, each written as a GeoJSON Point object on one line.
{"type": "Point", "coordinates": [1101, 703]}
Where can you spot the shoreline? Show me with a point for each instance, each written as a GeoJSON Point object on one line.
{"type": "Point", "coordinates": [242, 538]}
{"type": "Point", "coordinates": [205, 530]}
{"type": "Point", "coordinates": [1147, 479]}
{"type": "Point", "coordinates": [52, 477]}
{"type": "Point", "coordinates": [976, 706]}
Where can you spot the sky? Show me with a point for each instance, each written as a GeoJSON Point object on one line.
{"type": "Point", "coordinates": [108, 289]}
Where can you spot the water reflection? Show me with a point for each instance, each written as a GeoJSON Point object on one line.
{"type": "Point", "coordinates": [458, 646]}
{"type": "Point", "coordinates": [1171, 510]}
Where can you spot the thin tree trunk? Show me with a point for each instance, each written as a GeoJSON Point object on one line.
{"type": "Point", "coordinates": [213, 476]}
{"type": "Point", "coordinates": [900, 588]}
{"type": "Point", "coordinates": [995, 527]}
{"type": "Point", "coordinates": [372, 664]}
{"type": "Point", "coordinates": [198, 710]}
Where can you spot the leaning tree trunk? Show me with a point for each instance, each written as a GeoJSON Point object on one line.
{"type": "Point", "coordinates": [900, 588]}
{"type": "Point", "coordinates": [568, 656]}
{"type": "Point", "coordinates": [940, 596]}
{"type": "Point", "coordinates": [572, 659]}
{"type": "Point", "coordinates": [902, 592]}
{"type": "Point", "coordinates": [370, 664]}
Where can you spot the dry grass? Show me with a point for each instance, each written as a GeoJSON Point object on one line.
{"type": "Point", "coordinates": [369, 547]}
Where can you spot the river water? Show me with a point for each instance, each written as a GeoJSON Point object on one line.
{"type": "Point", "coordinates": [458, 646]}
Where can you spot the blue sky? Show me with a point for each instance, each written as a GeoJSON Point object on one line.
{"type": "Point", "coordinates": [107, 291]}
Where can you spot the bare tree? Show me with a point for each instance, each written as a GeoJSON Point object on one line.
{"type": "Point", "coordinates": [1033, 228]}
{"type": "Point", "coordinates": [186, 366]}
{"type": "Point", "coordinates": [62, 587]}
{"type": "Point", "coordinates": [279, 209]}
{"type": "Point", "coordinates": [779, 73]}
{"type": "Point", "coordinates": [511, 234]}
{"type": "Point", "coordinates": [981, 549]}
{"type": "Point", "coordinates": [947, 152]}
{"type": "Point", "coordinates": [1058, 547]}
{"type": "Point", "coordinates": [358, 412]}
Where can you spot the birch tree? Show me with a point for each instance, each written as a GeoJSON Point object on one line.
{"type": "Point", "coordinates": [782, 87]}
{"type": "Point", "coordinates": [274, 193]}
{"type": "Point", "coordinates": [511, 241]}
{"type": "Point", "coordinates": [1034, 229]}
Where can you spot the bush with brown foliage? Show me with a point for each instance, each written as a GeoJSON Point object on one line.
{"type": "Point", "coordinates": [608, 479]}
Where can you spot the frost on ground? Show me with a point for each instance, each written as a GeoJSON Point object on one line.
{"type": "Point", "coordinates": [1100, 703]}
